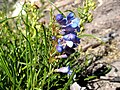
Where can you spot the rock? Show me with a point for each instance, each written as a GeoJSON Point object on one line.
{"type": "Point", "coordinates": [111, 81]}
{"type": "Point", "coordinates": [106, 19]}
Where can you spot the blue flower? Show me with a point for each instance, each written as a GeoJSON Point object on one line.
{"type": "Point", "coordinates": [59, 48]}
{"type": "Point", "coordinates": [75, 23]}
{"type": "Point", "coordinates": [69, 39]}
{"type": "Point", "coordinates": [63, 69]}
{"type": "Point", "coordinates": [63, 22]}
{"type": "Point", "coordinates": [62, 56]}
{"type": "Point", "coordinates": [59, 41]}
{"type": "Point", "coordinates": [53, 37]}
{"type": "Point", "coordinates": [66, 70]}
{"type": "Point", "coordinates": [70, 16]}
{"type": "Point", "coordinates": [59, 17]}
{"type": "Point", "coordinates": [68, 29]}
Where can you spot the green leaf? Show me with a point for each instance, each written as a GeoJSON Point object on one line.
{"type": "Point", "coordinates": [90, 78]}
{"type": "Point", "coordinates": [56, 8]}
{"type": "Point", "coordinates": [6, 19]}
{"type": "Point", "coordinates": [89, 35]}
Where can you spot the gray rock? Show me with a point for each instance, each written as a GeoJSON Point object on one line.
{"type": "Point", "coordinates": [107, 19]}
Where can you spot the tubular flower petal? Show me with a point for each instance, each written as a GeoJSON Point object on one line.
{"type": "Point", "coordinates": [69, 37]}
{"type": "Point", "coordinates": [59, 17]}
{"type": "Point", "coordinates": [59, 48]}
{"type": "Point", "coordinates": [76, 20]}
{"type": "Point", "coordinates": [63, 22]}
{"type": "Point", "coordinates": [62, 56]}
{"type": "Point", "coordinates": [74, 25]}
{"type": "Point", "coordinates": [72, 36]}
{"type": "Point", "coordinates": [68, 28]}
{"type": "Point", "coordinates": [59, 41]}
{"type": "Point", "coordinates": [69, 43]}
{"type": "Point", "coordinates": [63, 69]}
{"type": "Point", "coordinates": [70, 16]}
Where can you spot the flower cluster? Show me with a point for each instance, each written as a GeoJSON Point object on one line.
{"type": "Point", "coordinates": [69, 39]}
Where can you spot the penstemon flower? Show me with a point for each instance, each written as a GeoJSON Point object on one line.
{"type": "Point", "coordinates": [69, 28]}
{"type": "Point", "coordinates": [63, 69]}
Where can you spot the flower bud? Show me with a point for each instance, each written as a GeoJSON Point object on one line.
{"type": "Point", "coordinates": [59, 17]}
{"type": "Point", "coordinates": [70, 16]}
{"type": "Point", "coordinates": [63, 69]}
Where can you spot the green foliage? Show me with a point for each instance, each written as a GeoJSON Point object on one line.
{"type": "Point", "coordinates": [84, 12]}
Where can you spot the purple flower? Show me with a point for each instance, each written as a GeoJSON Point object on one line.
{"type": "Point", "coordinates": [69, 37]}
{"type": "Point", "coordinates": [69, 40]}
{"type": "Point", "coordinates": [68, 28]}
{"type": "Point", "coordinates": [59, 17]}
{"type": "Point", "coordinates": [70, 16]}
{"type": "Point", "coordinates": [63, 69]}
{"type": "Point", "coordinates": [62, 56]}
{"type": "Point", "coordinates": [59, 48]}
{"type": "Point", "coordinates": [53, 37]}
{"type": "Point", "coordinates": [63, 22]}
